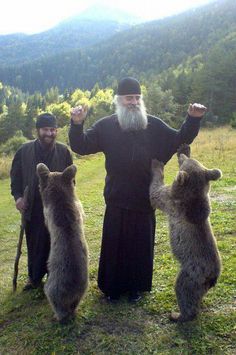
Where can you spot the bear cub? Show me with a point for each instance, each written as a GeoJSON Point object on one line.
{"type": "Point", "coordinates": [67, 279]}
{"type": "Point", "coordinates": [187, 204]}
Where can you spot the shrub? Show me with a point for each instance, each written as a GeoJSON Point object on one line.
{"type": "Point", "coordinates": [62, 135]}
{"type": "Point", "coordinates": [5, 166]}
{"type": "Point", "coordinates": [13, 144]}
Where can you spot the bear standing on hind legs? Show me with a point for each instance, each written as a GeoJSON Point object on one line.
{"type": "Point", "coordinates": [68, 259]}
{"type": "Point", "coordinates": [187, 205]}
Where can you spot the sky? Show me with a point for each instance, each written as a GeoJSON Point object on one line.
{"type": "Point", "coordinates": [33, 16]}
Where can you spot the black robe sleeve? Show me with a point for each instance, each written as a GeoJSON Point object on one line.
{"type": "Point", "coordinates": [86, 142]}
{"type": "Point", "coordinates": [69, 159]}
{"type": "Point", "coordinates": [16, 176]}
{"type": "Point", "coordinates": [172, 139]}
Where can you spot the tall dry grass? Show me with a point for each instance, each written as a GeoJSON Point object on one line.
{"type": "Point", "coordinates": [220, 141]}
{"type": "Point", "coordinates": [214, 148]}
{"type": "Point", "coordinates": [5, 166]}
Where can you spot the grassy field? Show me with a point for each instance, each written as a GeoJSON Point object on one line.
{"type": "Point", "coordinates": [26, 325]}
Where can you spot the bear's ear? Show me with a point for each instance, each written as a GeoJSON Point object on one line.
{"type": "Point", "coordinates": [69, 173]}
{"type": "Point", "coordinates": [182, 177]}
{"type": "Point", "coordinates": [213, 174]}
{"type": "Point", "coordinates": [182, 158]}
{"type": "Point", "coordinates": [42, 171]}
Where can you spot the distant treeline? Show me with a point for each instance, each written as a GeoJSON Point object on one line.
{"type": "Point", "coordinates": [179, 60]}
{"type": "Point", "coordinates": [18, 110]}
{"type": "Point", "coordinates": [192, 56]}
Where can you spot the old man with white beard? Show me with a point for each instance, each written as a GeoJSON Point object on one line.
{"type": "Point", "coordinates": [129, 139]}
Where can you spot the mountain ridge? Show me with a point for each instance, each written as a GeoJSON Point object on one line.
{"type": "Point", "coordinates": [85, 29]}
{"type": "Point", "coordinates": [141, 51]}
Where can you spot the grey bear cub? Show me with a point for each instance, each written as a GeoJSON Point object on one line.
{"type": "Point", "coordinates": [68, 259]}
{"type": "Point", "coordinates": [187, 204]}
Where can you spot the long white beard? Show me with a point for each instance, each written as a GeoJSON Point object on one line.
{"type": "Point", "coordinates": [131, 119]}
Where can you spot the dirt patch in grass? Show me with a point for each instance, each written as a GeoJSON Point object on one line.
{"type": "Point", "coordinates": [228, 195]}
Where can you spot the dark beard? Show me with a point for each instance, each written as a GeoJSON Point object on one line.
{"type": "Point", "coordinates": [46, 143]}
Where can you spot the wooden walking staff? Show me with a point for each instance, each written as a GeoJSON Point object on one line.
{"type": "Point", "coordinates": [19, 245]}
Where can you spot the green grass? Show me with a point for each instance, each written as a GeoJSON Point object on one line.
{"type": "Point", "coordinates": [26, 325]}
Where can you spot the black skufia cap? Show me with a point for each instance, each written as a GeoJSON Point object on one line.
{"type": "Point", "coordinates": [129, 86]}
{"type": "Point", "coordinates": [46, 120]}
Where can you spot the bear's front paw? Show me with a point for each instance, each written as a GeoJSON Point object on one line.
{"type": "Point", "coordinates": [184, 149]}
{"type": "Point", "coordinates": [157, 165]}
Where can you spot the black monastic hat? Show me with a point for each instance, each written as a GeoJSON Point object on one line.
{"type": "Point", "coordinates": [46, 120]}
{"type": "Point", "coordinates": [129, 86]}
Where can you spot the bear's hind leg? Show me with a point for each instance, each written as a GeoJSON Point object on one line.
{"type": "Point", "coordinates": [73, 306]}
{"type": "Point", "coordinates": [189, 294]}
{"type": "Point", "coordinates": [61, 309]}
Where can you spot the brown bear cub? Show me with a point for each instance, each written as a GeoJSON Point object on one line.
{"type": "Point", "coordinates": [68, 259]}
{"type": "Point", "coordinates": [187, 205]}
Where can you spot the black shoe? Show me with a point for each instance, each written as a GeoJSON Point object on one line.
{"type": "Point", "coordinates": [112, 298]}
{"type": "Point", "coordinates": [134, 297]}
{"type": "Point", "coordinates": [31, 286]}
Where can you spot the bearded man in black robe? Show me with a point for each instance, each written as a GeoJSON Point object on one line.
{"type": "Point", "coordinates": [57, 157]}
{"type": "Point", "coordinates": [129, 139]}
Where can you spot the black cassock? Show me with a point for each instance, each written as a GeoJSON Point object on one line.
{"type": "Point", "coordinates": [38, 244]}
{"type": "Point", "coordinates": [126, 260]}
{"type": "Point", "coordinates": [37, 235]}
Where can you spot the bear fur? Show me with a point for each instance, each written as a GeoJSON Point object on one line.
{"type": "Point", "coordinates": [187, 204]}
{"type": "Point", "coordinates": [68, 259]}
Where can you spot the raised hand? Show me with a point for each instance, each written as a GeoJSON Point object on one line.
{"type": "Point", "coordinates": [196, 110]}
{"type": "Point", "coordinates": [78, 114]}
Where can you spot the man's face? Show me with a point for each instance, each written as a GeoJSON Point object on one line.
{"type": "Point", "coordinates": [131, 112]}
{"type": "Point", "coordinates": [130, 101]}
{"type": "Point", "coordinates": [47, 135]}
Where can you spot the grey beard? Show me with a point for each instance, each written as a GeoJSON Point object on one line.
{"type": "Point", "coordinates": [131, 119]}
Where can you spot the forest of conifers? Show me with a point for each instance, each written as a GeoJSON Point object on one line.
{"type": "Point", "coordinates": [186, 58]}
